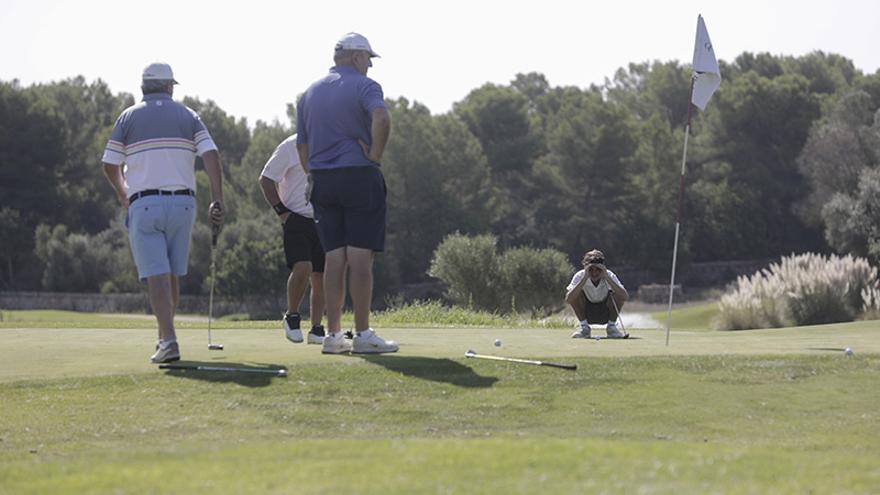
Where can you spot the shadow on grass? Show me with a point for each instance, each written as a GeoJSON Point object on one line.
{"type": "Point", "coordinates": [244, 374]}
{"type": "Point", "coordinates": [434, 369]}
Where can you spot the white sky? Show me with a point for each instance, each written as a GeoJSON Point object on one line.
{"type": "Point", "coordinates": [254, 57]}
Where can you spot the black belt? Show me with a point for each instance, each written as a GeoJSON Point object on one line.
{"type": "Point", "coordinates": [156, 192]}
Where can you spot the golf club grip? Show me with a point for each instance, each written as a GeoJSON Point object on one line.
{"type": "Point", "coordinates": [215, 233]}
{"type": "Point", "coordinates": [560, 365]}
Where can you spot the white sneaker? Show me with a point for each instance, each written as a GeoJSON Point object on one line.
{"type": "Point", "coordinates": [367, 342]}
{"type": "Point", "coordinates": [583, 332]}
{"type": "Point", "coordinates": [613, 332]}
{"type": "Point", "coordinates": [166, 353]}
{"type": "Point", "coordinates": [316, 335]}
{"type": "Point", "coordinates": [291, 328]}
{"type": "Point", "coordinates": [335, 343]}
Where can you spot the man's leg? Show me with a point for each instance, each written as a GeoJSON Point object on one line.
{"type": "Point", "coordinates": [175, 295]}
{"type": "Point", "coordinates": [580, 308]}
{"type": "Point", "coordinates": [296, 285]}
{"type": "Point", "coordinates": [360, 263]}
{"type": "Point", "coordinates": [162, 301]}
{"type": "Point", "coordinates": [334, 288]}
{"type": "Point", "coordinates": [316, 300]}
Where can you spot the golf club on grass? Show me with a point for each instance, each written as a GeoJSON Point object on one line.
{"type": "Point", "coordinates": [215, 232]}
{"type": "Point", "coordinates": [617, 310]}
{"type": "Point", "coordinates": [193, 367]}
{"type": "Point", "coordinates": [472, 354]}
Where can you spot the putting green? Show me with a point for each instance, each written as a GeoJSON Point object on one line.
{"type": "Point", "coordinates": [35, 353]}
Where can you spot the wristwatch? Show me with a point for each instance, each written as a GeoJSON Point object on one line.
{"type": "Point", "coordinates": [280, 209]}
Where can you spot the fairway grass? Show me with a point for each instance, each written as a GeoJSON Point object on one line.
{"type": "Point", "coordinates": [769, 411]}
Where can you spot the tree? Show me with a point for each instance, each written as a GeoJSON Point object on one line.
{"type": "Point", "coordinates": [752, 136]}
{"type": "Point", "coordinates": [838, 151]}
{"type": "Point", "coordinates": [231, 135]}
{"type": "Point", "coordinates": [583, 177]}
{"type": "Point", "coordinates": [498, 117]}
{"type": "Point", "coordinates": [853, 220]}
{"type": "Point", "coordinates": [85, 113]}
{"type": "Point", "coordinates": [434, 168]}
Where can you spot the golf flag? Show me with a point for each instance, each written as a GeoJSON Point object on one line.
{"type": "Point", "coordinates": [708, 76]}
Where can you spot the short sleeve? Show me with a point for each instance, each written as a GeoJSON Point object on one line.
{"type": "Point", "coordinates": [575, 280]}
{"type": "Point", "coordinates": [283, 158]}
{"type": "Point", "coordinates": [372, 96]}
{"type": "Point", "coordinates": [301, 133]}
{"type": "Point", "coordinates": [114, 152]}
{"type": "Point", "coordinates": [201, 138]}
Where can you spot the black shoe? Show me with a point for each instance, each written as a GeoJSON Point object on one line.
{"type": "Point", "coordinates": [291, 328]}
{"type": "Point", "coordinates": [316, 334]}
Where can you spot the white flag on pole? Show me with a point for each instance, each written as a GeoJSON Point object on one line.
{"type": "Point", "coordinates": [708, 76]}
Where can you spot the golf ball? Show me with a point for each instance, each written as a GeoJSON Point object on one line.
{"type": "Point", "coordinates": [497, 342]}
{"type": "Point", "coordinates": [848, 351]}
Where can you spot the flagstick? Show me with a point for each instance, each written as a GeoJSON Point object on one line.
{"type": "Point", "coordinates": [687, 131]}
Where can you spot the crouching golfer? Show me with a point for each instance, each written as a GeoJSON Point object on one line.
{"type": "Point", "coordinates": [284, 185]}
{"type": "Point", "coordinates": [596, 298]}
{"type": "Point", "coordinates": [157, 140]}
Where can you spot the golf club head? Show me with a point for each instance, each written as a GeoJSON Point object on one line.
{"type": "Point", "coordinates": [215, 347]}
{"type": "Point", "coordinates": [469, 353]}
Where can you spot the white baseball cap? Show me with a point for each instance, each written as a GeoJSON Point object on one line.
{"type": "Point", "coordinates": [354, 41]}
{"type": "Point", "coordinates": [159, 72]}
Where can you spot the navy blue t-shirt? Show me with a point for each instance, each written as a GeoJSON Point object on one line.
{"type": "Point", "coordinates": [333, 114]}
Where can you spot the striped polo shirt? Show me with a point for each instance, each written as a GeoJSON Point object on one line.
{"type": "Point", "coordinates": [158, 140]}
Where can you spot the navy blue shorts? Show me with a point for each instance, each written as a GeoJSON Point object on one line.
{"type": "Point", "coordinates": [349, 207]}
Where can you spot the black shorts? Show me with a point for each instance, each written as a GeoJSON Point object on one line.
{"type": "Point", "coordinates": [301, 242]}
{"type": "Point", "coordinates": [349, 207]}
{"type": "Point", "coordinates": [600, 312]}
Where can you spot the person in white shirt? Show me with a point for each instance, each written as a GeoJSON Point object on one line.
{"type": "Point", "coordinates": [284, 184]}
{"type": "Point", "coordinates": [596, 296]}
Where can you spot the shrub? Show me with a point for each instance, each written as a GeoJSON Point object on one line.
{"type": "Point", "coordinates": [801, 289]}
{"type": "Point", "coordinates": [469, 267]}
{"type": "Point", "coordinates": [533, 280]}
{"type": "Point", "coordinates": [521, 279]}
{"type": "Point", "coordinates": [72, 262]}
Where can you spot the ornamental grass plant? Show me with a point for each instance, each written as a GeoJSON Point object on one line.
{"type": "Point", "coordinates": [804, 289]}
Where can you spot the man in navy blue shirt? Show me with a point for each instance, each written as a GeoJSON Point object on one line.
{"type": "Point", "coordinates": [342, 129]}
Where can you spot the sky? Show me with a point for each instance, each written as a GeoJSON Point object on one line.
{"type": "Point", "coordinates": [254, 57]}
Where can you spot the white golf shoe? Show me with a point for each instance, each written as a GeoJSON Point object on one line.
{"type": "Point", "coordinates": [367, 342]}
{"type": "Point", "coordinates": [335, 343]}
{"type": "Point", "coordinates": [316, 335]}
{"type": "Point", "coordinates": [166, 353]}
{"type": "Point", "coordinates": [613, 332]}
{"type": "Point", "coordinates": [291, 328]}
{"type": "Point", "coordinates": [582, 332]}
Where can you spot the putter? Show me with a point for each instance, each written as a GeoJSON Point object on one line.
{"type": "Point", "coordinates": [625, 333]}
{"type": "Point", "coordinates": [193, 367]}
{"type": "Point", "coordinates": [472, 354]}
{"type": "Point", "coordinates": [215, 232]}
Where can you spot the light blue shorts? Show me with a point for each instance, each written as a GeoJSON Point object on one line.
{"type": "Point", "coordinates": [159, 231]}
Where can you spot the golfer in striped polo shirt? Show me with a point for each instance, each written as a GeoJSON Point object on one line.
{"type": "Point", "coordinates": [150, 162]}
